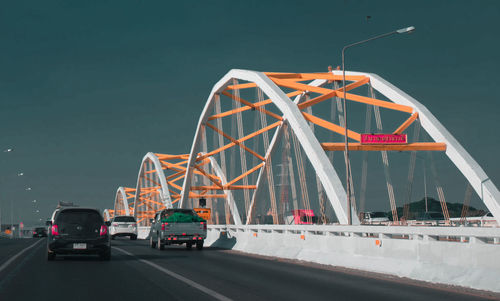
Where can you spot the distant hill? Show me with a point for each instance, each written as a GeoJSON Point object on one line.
{"type": "Point", "coordinates": [455, 209]}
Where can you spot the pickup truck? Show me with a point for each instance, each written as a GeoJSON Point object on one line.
{"type": "Point", "coordinates": [177, 226]}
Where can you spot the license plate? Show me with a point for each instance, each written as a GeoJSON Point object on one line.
{"type": "Point", "coordinates": [80, 246]}
{"type": "Point", "coordinates": [184, 238]}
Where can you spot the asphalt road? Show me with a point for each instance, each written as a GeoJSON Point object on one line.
{"type": "Point", "coordinates": [137, 272]}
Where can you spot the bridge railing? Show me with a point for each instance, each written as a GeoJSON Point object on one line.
{"type": "Point", "coordinates": [475, 235]}
{"type": "Point", "coordinates": [464, 256]}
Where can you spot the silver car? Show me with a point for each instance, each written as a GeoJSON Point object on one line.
{"type": "Point", "coordinates": [123, 226]}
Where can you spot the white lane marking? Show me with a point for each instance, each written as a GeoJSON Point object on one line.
{"type": "Point", "coordinates": [5, 264]}
{"type": "Point", "coordinates": [190, 282]}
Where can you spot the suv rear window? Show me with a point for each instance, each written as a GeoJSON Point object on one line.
{"type": "Point", "coordinates": [124, 219]}
{"type": "Point", "coordinates": [88, 218]}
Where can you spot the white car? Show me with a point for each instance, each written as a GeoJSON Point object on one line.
{"type": "Point", "coordinates": [373, 218]}
{"type": "Point", "coordinates": [123, 226]}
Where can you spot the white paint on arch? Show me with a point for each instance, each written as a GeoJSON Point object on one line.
{"type": "Point", "coordinates": [121, 195]}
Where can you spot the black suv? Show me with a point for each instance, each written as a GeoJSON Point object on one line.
{"type": "Point", "coordinates": [78, 231]}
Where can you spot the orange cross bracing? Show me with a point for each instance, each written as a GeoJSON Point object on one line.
{"type": "Point", "coordinates": [295, 81]}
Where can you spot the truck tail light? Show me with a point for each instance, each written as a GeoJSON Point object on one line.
{"type": "Point", "coordinates": [55, 230]}
{"type": "Point", "coordinates": [104, 230]}
{"type": "Point", "coordinates": [164, 226]}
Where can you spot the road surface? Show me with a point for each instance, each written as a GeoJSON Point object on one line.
{"type": "Point", "coordinates": [137, 272]}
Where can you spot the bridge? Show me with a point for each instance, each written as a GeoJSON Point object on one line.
{"type": "Point", "coordinates": [265, 146]}
{"type": "Point", "coordinates": [268, 158]}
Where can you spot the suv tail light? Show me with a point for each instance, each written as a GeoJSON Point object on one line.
{"type": "Point", "coordinates": [203, 225]}
{"type": "Point", "coordinates": [164, 226]}
{"type": "Point", "coordinates": [55, 230]}
{"type": "Point", "coordinates": [104, 230]}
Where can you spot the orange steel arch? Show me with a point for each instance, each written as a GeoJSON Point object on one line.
{"type": "Point", "coordinates": [122, 204]}
{"type": "Point", "coordinates": [151, 191]}
{"type": "Point", "coordinates": [160, 183]}
{"type": "Point", "coordinates": [293, 84]}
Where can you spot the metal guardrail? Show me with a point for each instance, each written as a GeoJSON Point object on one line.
{"type": "Point", "coordinates": [451, 234]}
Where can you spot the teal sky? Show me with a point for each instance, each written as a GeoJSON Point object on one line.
{"type": "Point", "coordinates": [87, 88]}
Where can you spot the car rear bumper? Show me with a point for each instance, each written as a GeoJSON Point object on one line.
{"type": "Point", "coordinates": [124, 234]}
{"type": "Point", "coordinates": [66, 246]}
{"type": "Point", "coordinates": [118, 231]}
{"type": "Point", "coordinates": [180, 239]}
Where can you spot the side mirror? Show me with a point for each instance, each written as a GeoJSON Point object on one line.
{"type": "Point", "coordinates": [48, 223]}
{"type": "Point", "coordinates": [108, 223]}
{"type": "Point", "coordinates": [151, 220]}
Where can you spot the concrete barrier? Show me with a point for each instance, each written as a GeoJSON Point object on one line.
{"type": "Point", "coordinates": [463, 256]}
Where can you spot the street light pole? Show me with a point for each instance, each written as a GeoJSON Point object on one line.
{"type": "Point", "coordinates": [8, 150]}
{"type": "Point", "coordinates": [346, 150]}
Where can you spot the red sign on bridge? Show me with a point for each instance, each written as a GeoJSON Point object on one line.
{"type": "Point", "coordinates": [383, 139]}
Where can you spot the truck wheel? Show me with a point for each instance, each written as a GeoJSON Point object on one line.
{"type": "Point", "coordinates": [152, 243]}
{"type": "Point", "coordinates": [159, 244]}
{"type": "Point", "coordinates": [199, 245]}
{"type": "Point", "coordinates": [189, 245]}
{"type": "Point", "coordinates": [133, 237]}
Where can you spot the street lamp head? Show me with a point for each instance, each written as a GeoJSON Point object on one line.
{"type": "Point", "coordinates": [7, 150]}
{"type": "Point", "coordinates": [406, 30]}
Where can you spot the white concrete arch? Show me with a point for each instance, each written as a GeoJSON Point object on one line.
{"type": "Point", "coordinates": [476, 176]}
{"type": "Point", "coordinates": [158, 168]}
{"type": "Point", "coordinates": [121, 202]}
{"type": "Point", "coordinates": [329, 179]}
